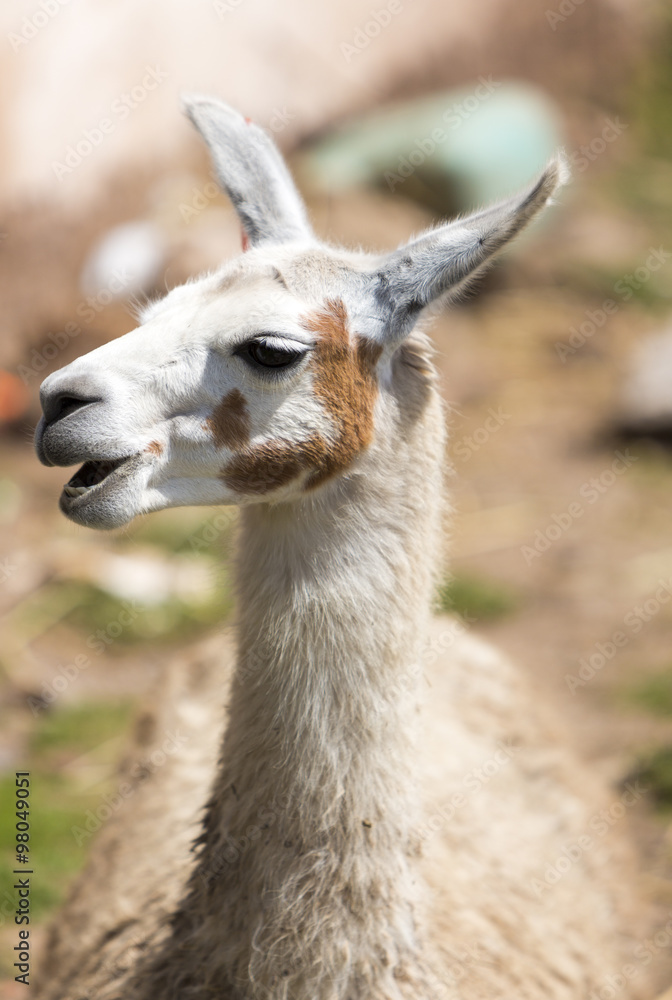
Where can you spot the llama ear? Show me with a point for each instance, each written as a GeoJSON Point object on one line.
{"type": "Point", "coordinates": [251, 171]}
{"type": "Point", "coordinates": [444, 260]}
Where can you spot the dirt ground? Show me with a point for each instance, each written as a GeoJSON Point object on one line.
{"type": "Point", "coordinates": [568, 526]}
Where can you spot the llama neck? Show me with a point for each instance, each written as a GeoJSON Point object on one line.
{"type": "Point", "coordinates": [330, 625]}
{"type": "Point", "coordinates": [310, 829]}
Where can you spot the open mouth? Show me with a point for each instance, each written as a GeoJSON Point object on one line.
{"type": "Point", "coordinates": [92, 474]}
{"type": "Point", "coordinates": [104, 492]}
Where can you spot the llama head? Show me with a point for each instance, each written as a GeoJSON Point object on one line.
{"type": "Point", "coordinates": [264, 381]}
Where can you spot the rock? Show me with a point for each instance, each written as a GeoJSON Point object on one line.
{"type": "Point", "coordinates": [453, 150]}
{"type": "Point", "coordinates": [645, 407]}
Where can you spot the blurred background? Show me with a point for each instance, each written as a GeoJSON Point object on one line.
{"type": "Point", "coordinates": [557, 368]}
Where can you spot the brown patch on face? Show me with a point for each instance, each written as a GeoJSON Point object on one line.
{"type": "Point", "coordinates": [344, 379]}
{"type": "Point", "coordinates": [155, 447]}
{"type": "Point", "coordinates": [273, 464]}
{"type": "Point", "coordinates": [229, 422]}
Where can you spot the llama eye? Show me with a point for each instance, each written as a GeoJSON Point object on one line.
{"type": "Point", "coordinates": [266, 355]}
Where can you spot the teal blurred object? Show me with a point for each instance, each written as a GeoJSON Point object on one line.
{"type": "Point", "coordinates": [451, 151]}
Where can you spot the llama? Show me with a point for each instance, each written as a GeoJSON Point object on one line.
{"type": "Point", "coordinates": [387, 800]}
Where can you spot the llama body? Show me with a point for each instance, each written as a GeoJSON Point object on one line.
{"type": "Point", "coordinates": [348, 848]}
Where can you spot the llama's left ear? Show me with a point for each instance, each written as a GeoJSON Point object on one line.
{"type": "Point", "coordinates": [441, 262]}
{"type": "Point", "coordinates": [251, 171]}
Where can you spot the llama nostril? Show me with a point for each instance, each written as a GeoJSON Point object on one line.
{"type": "Point", "coordinates": [63, 403]}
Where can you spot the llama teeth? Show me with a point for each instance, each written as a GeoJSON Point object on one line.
{"type": "Point", "coordinates": [74, 491]}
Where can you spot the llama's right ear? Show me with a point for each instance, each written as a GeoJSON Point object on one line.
{"type": "Point", "coordinates": [252, 172]}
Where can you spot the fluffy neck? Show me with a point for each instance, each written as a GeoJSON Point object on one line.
{"type": "Point", "coordinates": [303, 884]}
{"type": "Point", "coordinates": [330, 621]}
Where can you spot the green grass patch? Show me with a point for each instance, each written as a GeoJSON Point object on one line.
{"type": "Point", "coordinates": [55, 856]}
{"type": "Point", "coordinates": [187, 531]}
{"type": "Point", "coordinates": [61, 792]}
{"type": "Point", "coordinates": [79, 728]}
{"type": "Point", "coordinates": [641, 187]}
{"type": "Point", "coordinates": [651, 88]}
{"type": "Point", "coordinates": [654, 771]}
{"type": "Point", "coordinates": [477, 598]}
{"type": "Point", "coordinates": [108, 619]}
{"type": "Point", "coordinates": [622, 284]}
{"type": "Point", "coordinates": [653, 694]}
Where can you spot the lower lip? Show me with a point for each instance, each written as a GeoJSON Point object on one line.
{"type": "Point", "coordinates": [96, 489]}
